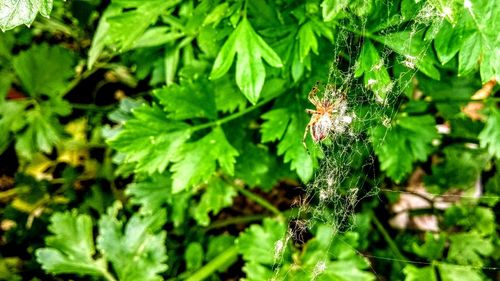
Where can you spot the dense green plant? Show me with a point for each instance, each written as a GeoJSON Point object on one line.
{"type": "Point", "coordinates": [152, 140]}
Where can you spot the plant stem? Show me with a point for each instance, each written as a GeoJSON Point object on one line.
{"type": "Point", "coordinates": [290, 213]}
{"type": "Point", "coordinates": [388, 238]}
{"type": "Point", "coordinates": [235, 220]}
{"type": "Point", "coordinates": [232, 116]}
{"type": "Point", "coordinates": [259, 200]}
{"type": "Point", "coordinates": [107, 275]}
{"type": "Point", "coordinates": [224, 259]}
{"type": "Point", "coordinates": [93, 107]}
{"type": "Point", "coordinates": [461, 100]}
{"type": "Point", "coordinates": [9, 193]}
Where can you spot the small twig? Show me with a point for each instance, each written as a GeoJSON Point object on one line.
{"type": "Point", "coordinates": [107, 275]}
{"type": "Point", "coordinates": [225, 258]}
{"type": "Point", "coordinates": [453, 100]}
{"type": "Point", "coordinates": [387, 238]}
{"type": "Point", "coordinates": [233, 116]}
{"type": "Point", "coordinates": [259, 200]}
{"type": "Point", "coordinates": [235, 220]}
{"type": "Point", "coordinates": [93, 107]}
{"type": "Point", "coordinates": [290, 213]}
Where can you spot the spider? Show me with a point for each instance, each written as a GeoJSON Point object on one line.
{"type": "Point", "coordinates": [327, 117]}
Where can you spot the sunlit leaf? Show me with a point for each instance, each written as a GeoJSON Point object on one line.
{"type": "Point", "coordinates": [195, 162]}
{"type": "Point", "coordinates": [251, 49]}
{"type": "Point", "coordinates": [18, 12]}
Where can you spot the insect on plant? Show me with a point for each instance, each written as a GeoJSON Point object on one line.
{"type": "Point", "coordinates": [329, 116]}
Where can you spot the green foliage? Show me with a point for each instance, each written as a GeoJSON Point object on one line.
{"type": "Point", "coordinates": [465, 248]}
{"type": "Point", "coordinates": [146, 141]}
{"type": "Point", "coordinates": [135, 250]}
{"type": "Point", "coordinates": [44, 70]}
{"type": "Point", "coordinates": [286, 124]}
{"type": "Point", "coordinates": [190, 116]}
{"type": "Point", "coordinates": [322, 257]}
{"type": "Point", "coordinates": [251, 49]}
{"type": "Point", "coordinates": [18, 12]}
{"type": "Point", "coordinates": [219, 195]}
{"type": "Point", "coordinates": [197, 161]}
{"type": "Point", "coordinates": [71, 247]}
{"type": "Point", "coordinates": [408, 141]}
{"type": "Point", "coordinates": [490, 135]}
{"type": "Point", "coordinates": [375, 73]}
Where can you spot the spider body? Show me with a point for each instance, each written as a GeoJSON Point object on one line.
{"type": "Point", "coordinates": [321, 123]}
{"type": "Point", "coordinates": [327, 117]}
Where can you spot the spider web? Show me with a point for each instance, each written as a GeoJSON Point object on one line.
{"type": "Point", "coordinates": [346, 173]}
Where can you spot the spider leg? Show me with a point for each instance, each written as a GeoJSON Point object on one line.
{"type": "Point", "coordinates": [312, 94]}
{"type": "Point", "coordinates": [305, 135]}
{"type": "Point", "coordinates": [311, 111]}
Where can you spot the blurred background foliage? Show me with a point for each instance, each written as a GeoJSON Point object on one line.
{"type": "Point", "coordinates": [162, 140]}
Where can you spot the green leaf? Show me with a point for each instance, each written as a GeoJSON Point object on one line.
{"type": "Point", "coordinates": [136, 250]}
{"type": "Point", "coordinates": [469, 55]}
{"type": "Point", "coordinates": [331, 8]}
{"type": "Point", "coordinates": [448, 41]}
{"type": "Point", "coordinates": [154, 192]}
{"type": "Point", "coordinates": [492, 190]}
{"type": "Point", "coordinates": [257, 167]}
{"type": "Point", "coordinates": [307, 40]}
{"type": "Point", "coordinates": [276, 122]}
{"type": "Point", "coordinates": [42, 134]}
{"type": "Point", "coordinates": [376, 76]}
{"type": "Point", "coordinates": [124, 112]}
{"type": "Point", "coordinates": [125, 28]}
{"type": "Point", "coordinates": [189, 101]}
{"type": "Point", "coordinates": [6, 79]}
{"type": "Point", "coordinates": [413, 273]}
{"type": "Point", "coordinates": [450, 272]}
{"type": "Point", "coordinates": [288, 125]}
{"type": "Point", "coordinates": [479, 219]}
{"type": "Point", "coordinates": [11, 120]}
{"type": "Point", "coordinates": [409, 140]}
{"type": "Point", "coordinates": [483, 45]}
{"type": "Point", "coordinates": [251, 49]}
{"type": "Point", "coordinates": [151, 193]}
{"type": "Point", "coordinates": [467, 248]}
{"type": "Point", "coordinates": [123, 23]}
{"type": "Point", "coordinates": [217, 14]}
{"type": "Point", "coordinates": [255, 271]}
{"type": "Point", "coordinates": [293, 150]}
{"type": "Point", "coordinates": [17, 12]}
{"type": "Point", "coordinates": [414, 51]}
{"type": "Point", "coordinates": [218, 244]}
{"type": "Point", "coordinates": [218, 195]}
{"type": "Point", "coordinates": [193, 256]}
{"type": "Point", "coordinates": [150, 139]}
{"type": "Point", "coordinates": [156, 36]}
{"type": "Point", "coordinates": [490, 135]}
{"type": "Point", "coordinates": [196, 161]}
{"type": "Point", "coordinates": [461, 169]}
{"type": "Point", "coordinates": [433, 247]}
{"type": "Point", "coordinates": [71, 247]}
{"type": "Point", "coordinates": [44, 69]}
{"type": "Point", "coordinates": [345, 271]}
{"type": "Point", "coordinates": [227, 97]}
{"type": "Point", "coordinates": [171, 62]}
{"type": "Point", "coordinates": [258, 243]}
{"type": "Point", "coordinates": [101, 37]}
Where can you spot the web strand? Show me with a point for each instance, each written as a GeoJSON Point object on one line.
{"type": "Point", "coordinates": [339, 185]}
